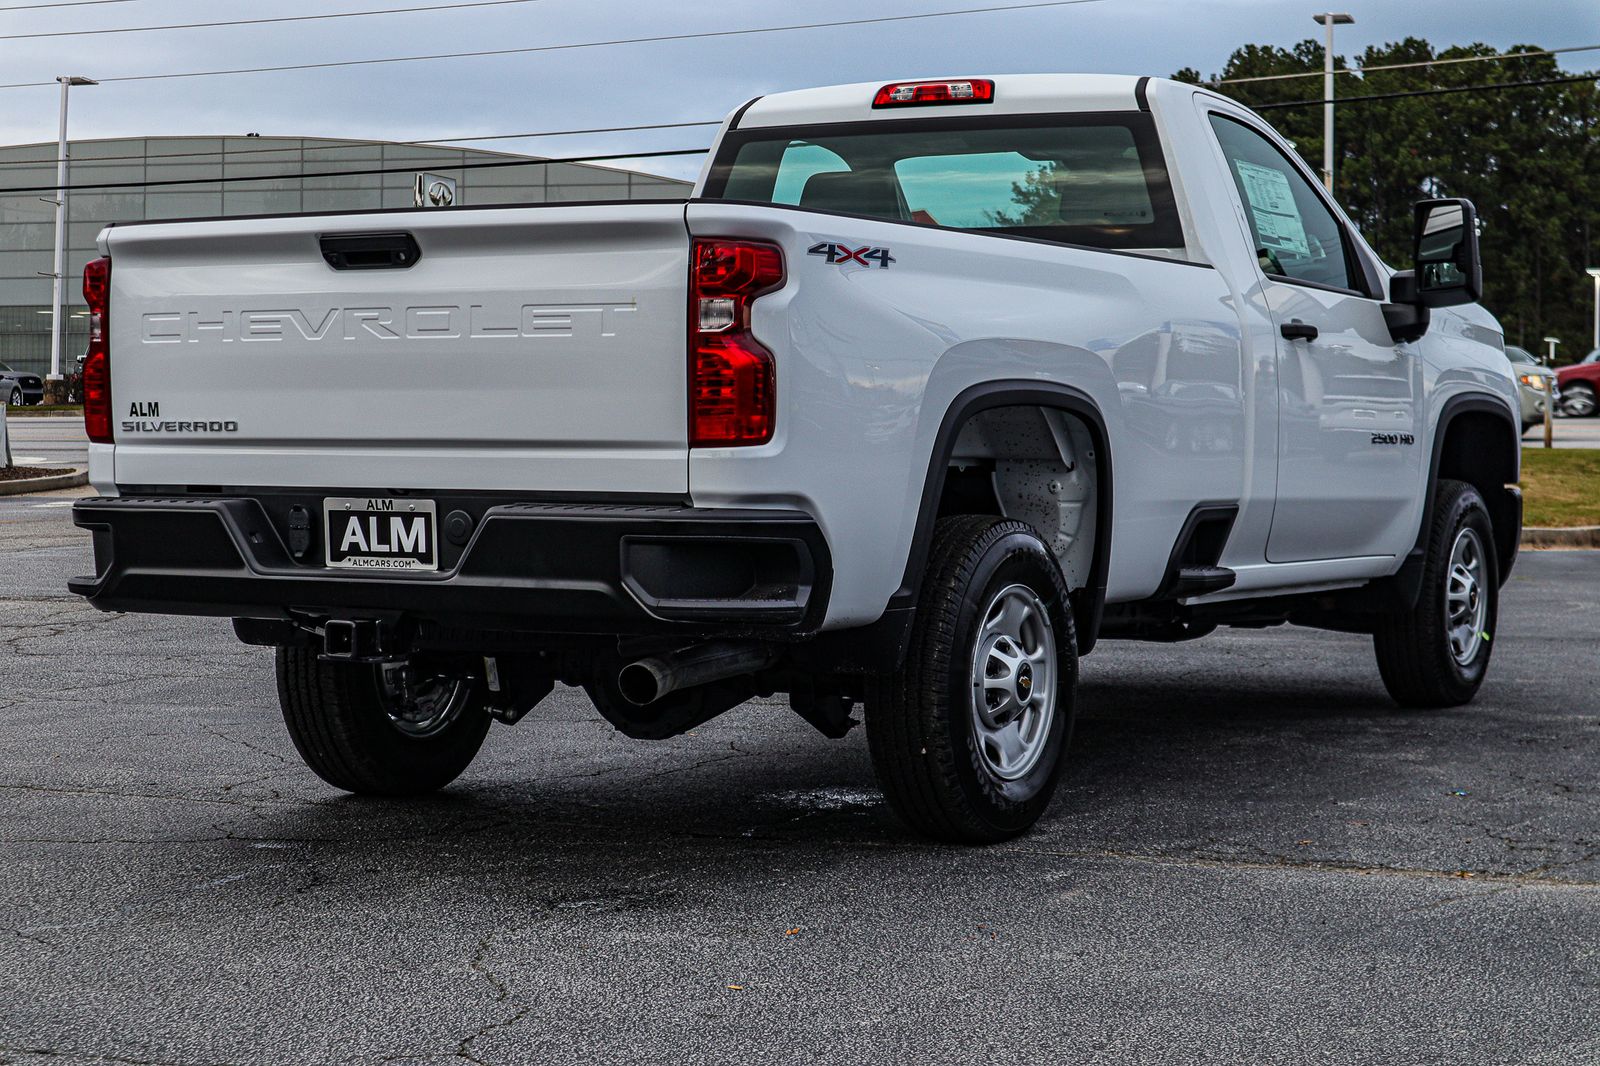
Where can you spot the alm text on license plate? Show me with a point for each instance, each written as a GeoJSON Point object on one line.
{"type": "Point", "coordinates": [380, 533]}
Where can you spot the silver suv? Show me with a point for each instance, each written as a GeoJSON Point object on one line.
{"type": "Point", "coordinates": [1536, 386]}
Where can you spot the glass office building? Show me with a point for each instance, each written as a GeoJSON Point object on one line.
{"type": "Point", "coordinates": [285, 174]}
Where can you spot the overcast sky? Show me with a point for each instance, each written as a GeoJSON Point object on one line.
{"type": "Point", "coordinates": [643, 83]}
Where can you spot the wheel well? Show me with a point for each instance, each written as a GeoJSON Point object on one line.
{"type": "Point", "coordinates": [1039, 464]}
{"type": "Point", "coordinates": [1481, 449]}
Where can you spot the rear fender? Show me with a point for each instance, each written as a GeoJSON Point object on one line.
{"type": "Point", "coordinates": [1088, 601]}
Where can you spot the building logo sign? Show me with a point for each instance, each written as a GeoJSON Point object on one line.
{"type": "Point", "coordinates": [433, 190]}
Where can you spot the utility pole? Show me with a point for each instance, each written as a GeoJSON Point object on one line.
{"type": "Point", "coordinates": [1329, 21]}
{"type": "Point", "coordinates": [57, 311]}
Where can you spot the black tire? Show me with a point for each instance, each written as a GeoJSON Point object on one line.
{"type": "Point", "coordinates": [920, 720]}
{"type": "Point", "coordinates": [337, 717]}
{"type": "Point", "coordinates": [16, 398]}
{"type": "Point", "coordinates": [1578, 400]}
{"type": "Point", "coordinates": [1419, 664]}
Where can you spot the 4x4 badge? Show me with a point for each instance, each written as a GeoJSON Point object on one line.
{"type": "Point", "coordinates": [843, 254]}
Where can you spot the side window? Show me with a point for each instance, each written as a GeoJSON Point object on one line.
{"type": "Point", "coordinates": [801, 161]}
{"type": "Point", "coordinates": [1296, 236]}
{"type": "Point", "coordinates": [776, 172]}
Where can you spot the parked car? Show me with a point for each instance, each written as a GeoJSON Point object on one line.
{"type": "Point", "coordinates": [18, 388]}
{"type": "Point", "coordinates": [1536, 384]}
{"type": "Point", "coordinates": [1580, 385]}
{"type": "Point", "coordinates": [927, 388]}
{"type": "Point", "coordinates": [75, 380]}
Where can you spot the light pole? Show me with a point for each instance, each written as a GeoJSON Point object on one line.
{"type": "Point", "coordinates": [60, 274]}
{"type": "Point", "coordinates": [1594, 272]}
{"type": "Point", "coordinates": [1329, 21]}
{"type": "Point", "coordinates": [1552, 342]}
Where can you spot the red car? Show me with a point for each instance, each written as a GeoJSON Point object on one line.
{"type": "Point", "coordinates": [1580, 384]}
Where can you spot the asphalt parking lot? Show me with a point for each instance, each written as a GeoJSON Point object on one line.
{"type": "Point", "coordinates": [1256, 858]}
{"type": "Point", "coordinates": [48, 440]}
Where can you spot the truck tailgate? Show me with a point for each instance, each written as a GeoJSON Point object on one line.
{"type": "Point", "coordinates": [534, 349]}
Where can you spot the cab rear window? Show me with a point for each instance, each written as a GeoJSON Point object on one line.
{"type": "Point", "coordinates": [1097, 180]}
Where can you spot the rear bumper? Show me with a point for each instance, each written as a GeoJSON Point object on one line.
{"type": "Point", "coordinates": [560, 569]}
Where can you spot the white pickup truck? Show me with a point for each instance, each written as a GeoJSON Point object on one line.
{"type": "Point", "coordinates": [928, 387]}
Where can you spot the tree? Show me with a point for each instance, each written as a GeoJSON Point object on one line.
{"type": "Point", "coordinates": [1037, 198]}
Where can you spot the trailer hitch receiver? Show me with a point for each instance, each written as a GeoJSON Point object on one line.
{"type": "Point", "coordinates": [361, 640]}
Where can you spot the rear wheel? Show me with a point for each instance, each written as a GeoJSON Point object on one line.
{"type": "Point", "coordinates": [16, 398]}
{"type": "Point", "coordinates": [1436, 653]}
{"type": "Point", "coordinates": [382, 730]}
{"type": "Point", "coordinates": [969, 737]}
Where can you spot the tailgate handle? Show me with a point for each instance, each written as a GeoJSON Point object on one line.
{"type": "Point", "coordinates": [370, 251]}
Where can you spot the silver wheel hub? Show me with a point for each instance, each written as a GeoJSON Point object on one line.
{"type": "Point", "coordinates": [1013, 674]}
{"type": "Point", "coordinates": [1466, 601]}
{"type": "Point", "coordinates": [418, 705]}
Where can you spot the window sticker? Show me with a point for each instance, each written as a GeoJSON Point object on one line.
{"type": "Point", "coordinates": [1278, 222]}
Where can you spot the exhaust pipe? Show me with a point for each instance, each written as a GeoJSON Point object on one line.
{"type": "Point", "coordinates": [648, 680]}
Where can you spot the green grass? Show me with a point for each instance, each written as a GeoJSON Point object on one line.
{"type": "Point", "coordinates": [45, 409]}
{"type": "Point", "coordinates": [1561, 487]}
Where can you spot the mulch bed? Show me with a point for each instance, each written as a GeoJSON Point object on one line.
{"type": "Point", "coordinates": [20, 473]}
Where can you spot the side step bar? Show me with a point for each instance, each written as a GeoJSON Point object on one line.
{"type": "Point", "coordinates": [1192, 569]}
{"type": "Point", "coordinates": [1199, 580]}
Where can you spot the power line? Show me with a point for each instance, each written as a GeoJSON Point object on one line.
{"type": "Point", "coordinates": [438, 142]}
{"type": "Point", "coordinates": [426, 141]}
{"type": "Point", "coordinates": [700, 36]}
{"type": "Point", "coordinates": [262, 22]}
{"type": "Point", "coordinates": [63, 3]}
{"type": "Point", "coordinates": [421, 142]}
{"type": "Point", "coordinates": [496, 164]}
{"type": "Point", "coordinates": [1408, 66]}
{"type": "Point", "coordinates": [1492, 87]}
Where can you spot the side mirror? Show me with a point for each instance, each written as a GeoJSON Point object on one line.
{"type": "Point", "coordinates": [1449, 269]}
{"type": "Point", "coordinates": [1405, 315]}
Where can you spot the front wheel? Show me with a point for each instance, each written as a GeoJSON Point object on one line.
{"type": "Point", "coordinates": [969, 737]}
{"type": "Point", "coordinates": [16, 398]}
{"type": "Point", "coordinates": [392, 729]}
{"type": "Point", "coordinates": [1578, 400]}
{"type": "Point", "coordinates": [1436, 653]}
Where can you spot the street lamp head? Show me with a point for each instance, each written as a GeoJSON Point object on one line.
{"type": "Point", "coordinates": [1337, 20]}
{"type": "Point", "coordinates": [1552, 340]}
{"type": "Point", "coordinates": [1594, 272]}
{"type": "Point", "coordinates": [75, 79]}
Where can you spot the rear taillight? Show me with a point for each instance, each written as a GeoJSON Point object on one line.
{"type": "Point", "coordinates": [732, 377]}
{"type": "Point", "coordinates": [97, 361]}
{"type": "Point", "coordinates": [922, 93]}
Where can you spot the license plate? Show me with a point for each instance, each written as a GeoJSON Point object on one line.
{"type": "Point", "coordinates": [375, 533]}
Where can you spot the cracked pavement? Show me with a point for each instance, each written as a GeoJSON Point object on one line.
{"type": "Point", "coordinates": [1254, 858]}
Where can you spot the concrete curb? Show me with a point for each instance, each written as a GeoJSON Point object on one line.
{"type": "Point", "coordinates": [44, 484]}
{"type": "Point", "coordinates": [1574, 537]}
